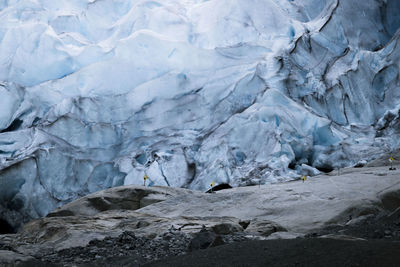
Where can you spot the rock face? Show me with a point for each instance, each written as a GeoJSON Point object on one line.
{"type": "Point", "coordinates": [94, 94]}
{"type": "Point", "coordinates": [136, 221]}
{"type": "Point", "coordinates": [119, 198]}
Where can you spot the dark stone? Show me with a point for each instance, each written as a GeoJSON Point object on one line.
{"type": "Point", "coordinates": [225, 228]}
{"type": "Point", "coordinates": [244, 223]}
{"type": "Point", "coordinates": [202, 240]}
{"type": "Point", "coordinates": [391, 200]}
{"type": "Point", "coordinates": [218, 241]}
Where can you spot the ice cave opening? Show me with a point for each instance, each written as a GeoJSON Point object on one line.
{"type": "Point", "coordinates": [6, 228]}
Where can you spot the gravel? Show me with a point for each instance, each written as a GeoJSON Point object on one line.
{"type": "Point", "coordinates": [134, 250]}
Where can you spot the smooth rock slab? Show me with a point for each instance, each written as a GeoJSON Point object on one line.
{"type": "Point", "coordinates": [118, 198]}
{"type": "Point", "coordinates": [296, 206]}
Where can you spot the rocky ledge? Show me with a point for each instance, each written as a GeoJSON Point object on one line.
{"type": "Point", "coordinates": [138, 225]}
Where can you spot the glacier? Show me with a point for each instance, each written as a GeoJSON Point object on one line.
{"type": "Point", "coordinates": [96, 94]}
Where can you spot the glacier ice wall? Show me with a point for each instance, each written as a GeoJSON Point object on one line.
{"type": "Point", "coordinates": [95, 94]}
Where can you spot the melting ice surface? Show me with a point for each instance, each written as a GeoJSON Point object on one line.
{"type": "Point", "coordinates": [96, 94]}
